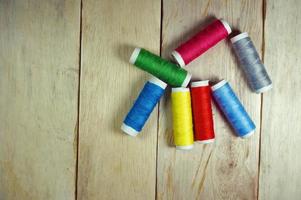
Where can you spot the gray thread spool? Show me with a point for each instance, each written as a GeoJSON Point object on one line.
{"type": "Point", "coordinates": [249, 59]}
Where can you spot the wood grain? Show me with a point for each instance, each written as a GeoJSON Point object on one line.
{"type": "Point", "coordinates": [39, 46]}
{"type": "Point", "coordinates": [113, 165]}
{"type": "Point", "coordinates": [227, 169]}
{"type": "Point", "coordinates": [39, 79]}
{"type": "Point", "coordinates": [280, 169]}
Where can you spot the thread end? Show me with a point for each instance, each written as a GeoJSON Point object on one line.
{"type": "Point", "coordinates": [134, 55]}
{"type": "Point", "coordinates": [178, 58]}
{"type": "Point", "coordinates": [239, 37]}
{"type": "Point", "coordinates": [226, 25]}
{"type": "Point", "coordinates": [129, 130]}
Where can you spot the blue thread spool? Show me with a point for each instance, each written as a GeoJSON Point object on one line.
{"type": "Point", "coordinates": [143, 106]}
{"type": "Point", "coordinates": [233, 109]}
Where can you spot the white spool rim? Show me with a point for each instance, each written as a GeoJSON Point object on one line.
{"type": "Point", "coordinates": [199, 83]}
{"type": "Point", "coordinates": [205, 141]}
{"type": "Point", "coordinates": [134, 55]}
{"type": "Point", "coordinates": [226, 25]}
{"type": "Point", "coordinates": [180, 89]}
{"type": "Point", "coordinates": [264, 89]}
{"type": "Point", "coordinates": [157, 82]}
{"type": "Point", "coordinates": [185, 147]}
{"type": "Point", "coordinates": [178, 58]}
{"type": "Point", "coordinates": [129, 130]}
{"type": "Point", "coordinates": [186, 81]}
{"type": "Point", "coordinates": [248, 134]}
{"type": "Point", "coordinates": [218, 85]}
{"type": "Point", "coordinates": [239, 37]}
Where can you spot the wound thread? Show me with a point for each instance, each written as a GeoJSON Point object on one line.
{"type": "Point", "coordinates": [166, 71]}
{"type": "Point", "coordinates": [202, 112]}
{"type": "Point", "coordinates": [144, 105]}
{"type": "Point", "coordinates": [201, 42]}
{"type": "Point", "coordinates": [182, 118]}
{"type": "Point", "coordinates": [251, 63]}
{"type": "Point", "coordinates": [233, 110]}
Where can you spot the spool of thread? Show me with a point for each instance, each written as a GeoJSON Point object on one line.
{"type": "Point", "coordinates": [182, 118]}
{"type": "Point", "coordinates": [145, 103]}
{"type": "Point", "coordinates": [233, 109]}
{"type": "Point", "coordinates": [249, 60]}
{"type": "Point", "coordinates": [201, 42]}
{"type": "Point", "coordinates": [166, 71]}
{"type": "Point", "coordinates": [202, 112]}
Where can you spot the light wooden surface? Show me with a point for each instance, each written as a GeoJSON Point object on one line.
{"type": "Point", "coordinates": [51, 75]}
{"type": "Point", "coordinates": [38, 99]}
{"type": "Point", "coordinates": [113, 165]}
{"type": "Point", "coordinates": [228, 168]}
{"type": "Point", "coordinates": [280, 166]}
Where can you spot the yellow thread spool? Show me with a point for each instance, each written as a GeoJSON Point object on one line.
{"type": "Point", "coordinates": [182, 118]}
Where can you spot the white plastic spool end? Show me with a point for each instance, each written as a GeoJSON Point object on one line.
{"type": "Point", "coordinates": [158, 82]}
{"type": "Point", "coordinates": [264, 89]}
{"type": "Point", "coordinates": [186, 81]}
{"type": "Point", "coordinates": [178, 58]}
{"type": "Point", "coordinates": [226, 25]}
{"type": "Point", "coordinates": [239, 37]}
{"type": "Point", "coordinates": [180, 89]}
{"type": "Point", "coordinates": [184, 147]}
{"type": "Point", "coordinates": [248, 134]}
{"type": "Point", "coordinates": [129, 130]}
{"type": "Point", "coordinates": [218, 85]}
{"type": "Point", "coordinates": [199, 83]}
{"type": "Point", "coordinates": [134, 55]}
{"type": "Point", "coordinates": [205, 141]}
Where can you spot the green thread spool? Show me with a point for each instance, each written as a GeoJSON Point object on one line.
{"type": "Point", "coordinates": [166, 71]}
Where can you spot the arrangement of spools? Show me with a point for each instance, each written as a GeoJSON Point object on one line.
{"type": "Point", "coordinates": [191, 106]}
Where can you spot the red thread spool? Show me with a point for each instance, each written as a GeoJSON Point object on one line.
{"type": "Point", "coordinates": [201, 42]}
{"type": "Point", "coordinates": [202, 112]}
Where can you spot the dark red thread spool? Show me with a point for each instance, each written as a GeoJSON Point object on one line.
{"type": "Point", "coordinates": [201, 42]}
{"type": "Point", "coordinates": [202, 112]}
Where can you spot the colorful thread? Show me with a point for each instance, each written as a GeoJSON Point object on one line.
{"type": "Point", "coordinates": [233, 109]}
{"type": "Point", "coordinates": [202, 112]}
{"type": "Point", "coordinates": [201, 42]}
{"type": "Point", "coordinates": [249, 60]}
{"type": "Point", "coordinates": [162, 69]}
{"type": "Point", "coordinates": [182, 118]}
{"type": "Point", "coordinates": [145, 103]}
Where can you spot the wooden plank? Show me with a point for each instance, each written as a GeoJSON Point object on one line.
{"type": "Point", "coordinates": [39, 46]}
{"type": "Point", "coordinates": [227, 169]}
{"type": "Point", "coordinates": [113, 165]}
{"type": "Point", "coordinates": [280, 169]}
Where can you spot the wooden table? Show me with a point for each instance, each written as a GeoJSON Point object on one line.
{"type": "Point", "coordinates": [66, 85]}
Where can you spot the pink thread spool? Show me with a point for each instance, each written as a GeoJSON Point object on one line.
{"type": "Point", "coordinates": [201, 42]}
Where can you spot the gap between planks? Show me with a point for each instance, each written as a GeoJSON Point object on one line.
{"type": "Point", "coordinates": [158, 113]}
{"type": "Point", "coordinates": [78, 99]}
{"type": "Point", "coordinates": [264, 3]}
